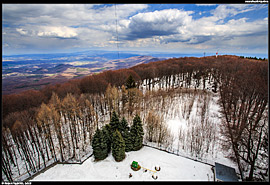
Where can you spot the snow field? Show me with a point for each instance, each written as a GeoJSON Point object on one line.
{"type": "Point", "coordinates": [178, 122]}
{"type": "Point", "coordinates": [173, 168]}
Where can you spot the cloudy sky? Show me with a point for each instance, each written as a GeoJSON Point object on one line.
{"type": "Point", "coordinates": [183, 28]}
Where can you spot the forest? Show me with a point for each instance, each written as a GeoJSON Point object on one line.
{"type": "Point", "coordinates": [58, 122]}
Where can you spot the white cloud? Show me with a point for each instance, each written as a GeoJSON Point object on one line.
{"type": "Point", "coordinates": [163, 22]}
{"type": "Point", "coordinates": [61, 32]}
{"type": "Point", "coordinates": [66, 14]}
{"type": "Point", "coordinates": [21, 31]}
{"type": "Point", "coordinates": [48, 31]}
{"type": "Point", "coordinates": [171, 26]}
{"type": "Point", "coordinates": [225, 10]}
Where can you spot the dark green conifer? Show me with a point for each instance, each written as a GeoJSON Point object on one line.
{"type": "Point", "coordinates": [123, 125]}
{"type": "Point", "coordinates": [128, 141]}
{"type": "Point", "coordinates": [108, 136]}
{"type": "Point", "coordinates": [130, 83]}
{"type": "Point", "coordinates": [118, 146]}
{"type": "Point", "coordinates": [99, 145]}
{"type": "Point", "coordinates": [124, 130]}
{"type": "Point", "coordinates": [136, 131]}
{"type": "Point", "coordinates": [114, 122]}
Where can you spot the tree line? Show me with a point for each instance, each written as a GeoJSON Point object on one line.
{"type": "Point", "coordinates": [255, 58]}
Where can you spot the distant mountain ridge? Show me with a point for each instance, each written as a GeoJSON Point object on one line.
{"type": "Point", "coordinates": [23, 74]}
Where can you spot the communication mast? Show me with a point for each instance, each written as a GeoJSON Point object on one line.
{"type": "Point", "coordinates": [116, 29]}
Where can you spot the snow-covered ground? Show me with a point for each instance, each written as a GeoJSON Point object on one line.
{"type": "Point", "coordinates": [173, 168]}
{"type": "Point", "coordinates": [177, 122]}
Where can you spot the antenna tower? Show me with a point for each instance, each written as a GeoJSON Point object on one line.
{"type": "Point", "coordinates": [116, 29]}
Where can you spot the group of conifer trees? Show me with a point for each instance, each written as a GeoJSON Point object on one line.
{"type": "Point", "coordinates": [117, 137]}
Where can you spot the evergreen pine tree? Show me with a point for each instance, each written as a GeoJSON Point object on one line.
{"type": "Point", "coordinates": [118, 146]}
{"type": "Point", "coordinates": [124, 130]}
{"type": "Point", "coordinates": [99, 145]}
{"type": "Point", "coordinates": [130, 83]}
{"type": "Point", "coordinates": [123, 125]}
{"type": "Point", "coordinates": [136, 131]}
{"type": "Point", "coordinates": [114, 122]}
{"type": "Point", "coordinates": [108, 136]}
{"type": "Point", "coordinates": [127, 136]}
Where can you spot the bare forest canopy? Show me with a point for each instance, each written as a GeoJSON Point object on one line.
{"type": "Point", "coordinates": [246, 73]}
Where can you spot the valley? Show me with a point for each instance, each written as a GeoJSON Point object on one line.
{"type": "Point", "coordinates": [31, 72]}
